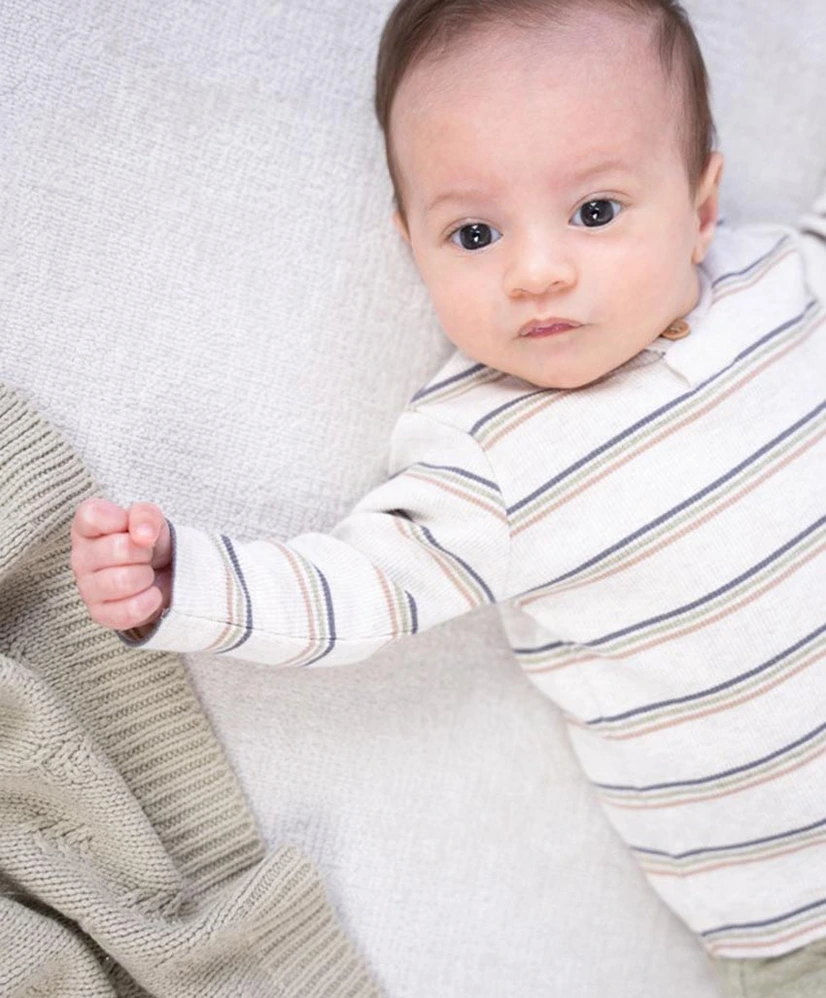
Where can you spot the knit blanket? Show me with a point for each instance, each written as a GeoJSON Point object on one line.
{"type": "Point", "coordinates": [129, 862]}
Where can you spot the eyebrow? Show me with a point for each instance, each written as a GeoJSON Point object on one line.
{"type": "Point", "coordinates": [600, 167]}
{"type": "Point", "coordinates": [468, 194]}
{"type": "Point", "coordinates": [479, 194]}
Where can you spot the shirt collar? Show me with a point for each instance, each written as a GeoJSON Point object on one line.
{"type": "Point", "coordinates": [751, 282]}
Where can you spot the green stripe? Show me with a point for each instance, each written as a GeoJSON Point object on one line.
{"type": "Point", "coordinates": [449, 392]}
{"type": "Point", "coordinates": [711, 503]}
{"type": "Point", "coordinates": [710, 858]}
{"type": "Point", "coordinates": [674, 796]}
{"type": "Point", "coordinates": [468, 486]}
{"type": "Point", "coordinates": [560, 657]}
{"type": "Point", "coordinates": [710, 395]}
{"type": "Point", "coordinates": [237, 599]}
{"type": "Point", "coordinates": [718, 701]}
{"type": "Point", "coordinates": [455, 568]}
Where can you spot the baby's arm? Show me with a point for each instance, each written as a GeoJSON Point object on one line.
{"type": "Point", "coordinates": [430, 543]}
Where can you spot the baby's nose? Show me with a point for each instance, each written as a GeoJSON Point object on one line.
{"type": "Point", "coordinates": [539, 266]}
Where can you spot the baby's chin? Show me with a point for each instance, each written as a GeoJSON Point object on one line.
{"type": "Point", "coordinates": [559, 380]}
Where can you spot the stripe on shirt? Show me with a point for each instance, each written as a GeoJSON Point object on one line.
{"type": "Point", "coordinates": [787, 759]}
{"type": "Point", "coordinates": [741, 280]}
{"type": "Point", "coordinates": [316, 597]}
{"type": "Point", "coordinates": [740, 689]}
{"type": "Point", "coordinates": [504, 419]}
{"type": "Point", "coordinates": [464, 484]}
{"type": "Point", "coordinates": [779, 930]}
{"type": "Point", "coordinates": [657, 863]}
{"type": "Point", "coordinates": [665, 421]}
{"type": "Point", "coordinates": [467, 582]}
{"type": "Point", "coordinates": [458, 384]}
{"type": "Point", "coordinates": [694, 511]}
{"type": "Point", "coordinates": [758, 580]}
{"type": "Point", "coordinates": [239, 617]}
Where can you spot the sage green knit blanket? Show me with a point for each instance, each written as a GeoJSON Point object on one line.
{"type": "Point", "coordinates": [129, 862]}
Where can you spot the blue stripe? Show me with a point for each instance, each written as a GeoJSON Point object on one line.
{"type": "Point", "coordinates": [414, 613]}
{"type": "Point", "coordinates": [459, 471]}
{"type": "Point", "coordinates": [702, 780]}
{"type": "Point", "coordinates": [735, 847]}
{"type": "Point", "coordinates": [681, 507]}
{"type": "Point", "coordinates": [331, 620]}
{"type": "Point", "coordinates": [653, 416]}
{"type": "Point", "coordinates": [768, 921]}
{"type": "Point", "coordinates": [509, 405]}
{"type": "Point", "coordinates": [736, 681]}
{"type": "Point", "coordinates": [541, 648]}
{"type": "Point", "coordinates": [751, 266]}
{"type": "Point", "coordinates": [430, 389]}
{"type": "Point", "coordinates": [248, 625]}
{"type": "Point", "coordinates": [460, 561]}
{"type": "Point", "coordinates": [698, 602]}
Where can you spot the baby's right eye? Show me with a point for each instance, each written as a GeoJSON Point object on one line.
{"type": "Point", "coordinates": [475, 235]}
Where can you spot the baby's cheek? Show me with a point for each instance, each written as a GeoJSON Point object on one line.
{"type": "Point", "coordinates": [655, 283]}
{"type": "Point", "coordinates": [457, 312]}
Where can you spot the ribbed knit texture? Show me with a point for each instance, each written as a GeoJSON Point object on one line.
{"type": "Point", "coordinates": [129, 861]}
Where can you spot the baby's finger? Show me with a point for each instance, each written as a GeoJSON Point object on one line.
{"type": "Point", "coordinates": [146, 524]}
{"type": "Point", "coordinates": [123, 615]}
{"type": "Point", "coordinates": [107, 552]}
{"type": "Point", "coordinates": [98, 517]}
{"type": "Point", "coordinates": [117, 584]}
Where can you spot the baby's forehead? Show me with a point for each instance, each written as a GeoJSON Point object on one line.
{"type": "Point", "coordinates": [514, 100]}
{"type": "Point", "coordinates": [587, 45]}
{"type": "Point", "coordinates": [604, 65]}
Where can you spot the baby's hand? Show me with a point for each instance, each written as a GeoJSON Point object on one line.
{"type": "Point", "coordinates": [121, 559]}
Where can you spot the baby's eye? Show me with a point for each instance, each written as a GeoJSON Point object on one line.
{"type": "Point", "coordinates": [594, 214]}
{"type": "Point", "coordinates": [475, 236]}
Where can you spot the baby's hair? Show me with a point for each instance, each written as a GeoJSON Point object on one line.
{"type": "Point", "coordinates": [417, 29]}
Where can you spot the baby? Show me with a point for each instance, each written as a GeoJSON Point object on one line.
{"type": "Point", "coordinates": [626, 452]}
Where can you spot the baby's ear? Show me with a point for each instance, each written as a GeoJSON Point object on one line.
{"type": "Point", "coordinates": [401, 226]}
{"type": "Point", "coordinates": [707, 202]}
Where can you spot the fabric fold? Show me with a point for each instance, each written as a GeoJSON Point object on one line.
{"type": "Point", "coordinates": [129, 861]}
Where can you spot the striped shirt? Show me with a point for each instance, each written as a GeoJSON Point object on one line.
{"type": "Point", "coordinates": [657, 544]}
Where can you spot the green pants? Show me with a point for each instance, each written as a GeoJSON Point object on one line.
{"type": "Point", "coordinates": [800, 974]}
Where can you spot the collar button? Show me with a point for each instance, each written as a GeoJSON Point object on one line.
{"type": "Point", "coordinates": [677, 330]}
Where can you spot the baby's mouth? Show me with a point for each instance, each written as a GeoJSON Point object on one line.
{"type": "Point", "coordinates": [552, 326]}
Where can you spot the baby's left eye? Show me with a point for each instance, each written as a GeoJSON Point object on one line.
{"type": "Point", "coordinates": [475, 236]}
{"type": "Point", "coordinates": [594, 214]}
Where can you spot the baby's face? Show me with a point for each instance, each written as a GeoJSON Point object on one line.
{"type": "Point", "coordinates": [546, 198]}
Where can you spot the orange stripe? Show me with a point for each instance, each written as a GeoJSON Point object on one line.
{"type": "Point", "coordinates": [770, 264]}
{"type": "Point", "coordinates": [313, 641]}
{"type": "Point", "coordinates": [749, 785]}
{"type": "Point", "coordinates": [744, 698]}
{"type": "Point", "coordinates": [714, 948]}
{"type": "Point", "coordinates": [671, 538]}
{"type": "Point", "coordinates": [787, 573]}
{"type": "Point", "coordinates": [532, 411]}
{"type": "Point", "coordinates": [391, 604]}
{"type": "Point", "coordinates": [717, 400]}
{"type": "Point", "coordinates": [496, 511]}
{"type": "Point", "coordinates": [231, 628]}
{"type": "Point", "coordinates": [761, 858]}
{"type": "Point", "coordinates": [447, 569]}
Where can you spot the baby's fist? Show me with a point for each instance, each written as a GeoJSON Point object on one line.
{"type": "Point", "coordinates": [121, 559]}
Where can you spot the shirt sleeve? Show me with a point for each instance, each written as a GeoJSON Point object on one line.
{"type": "Point", "coordinates": [813, 230]}
{"type": "Point", "coordinates": [430, 543]}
